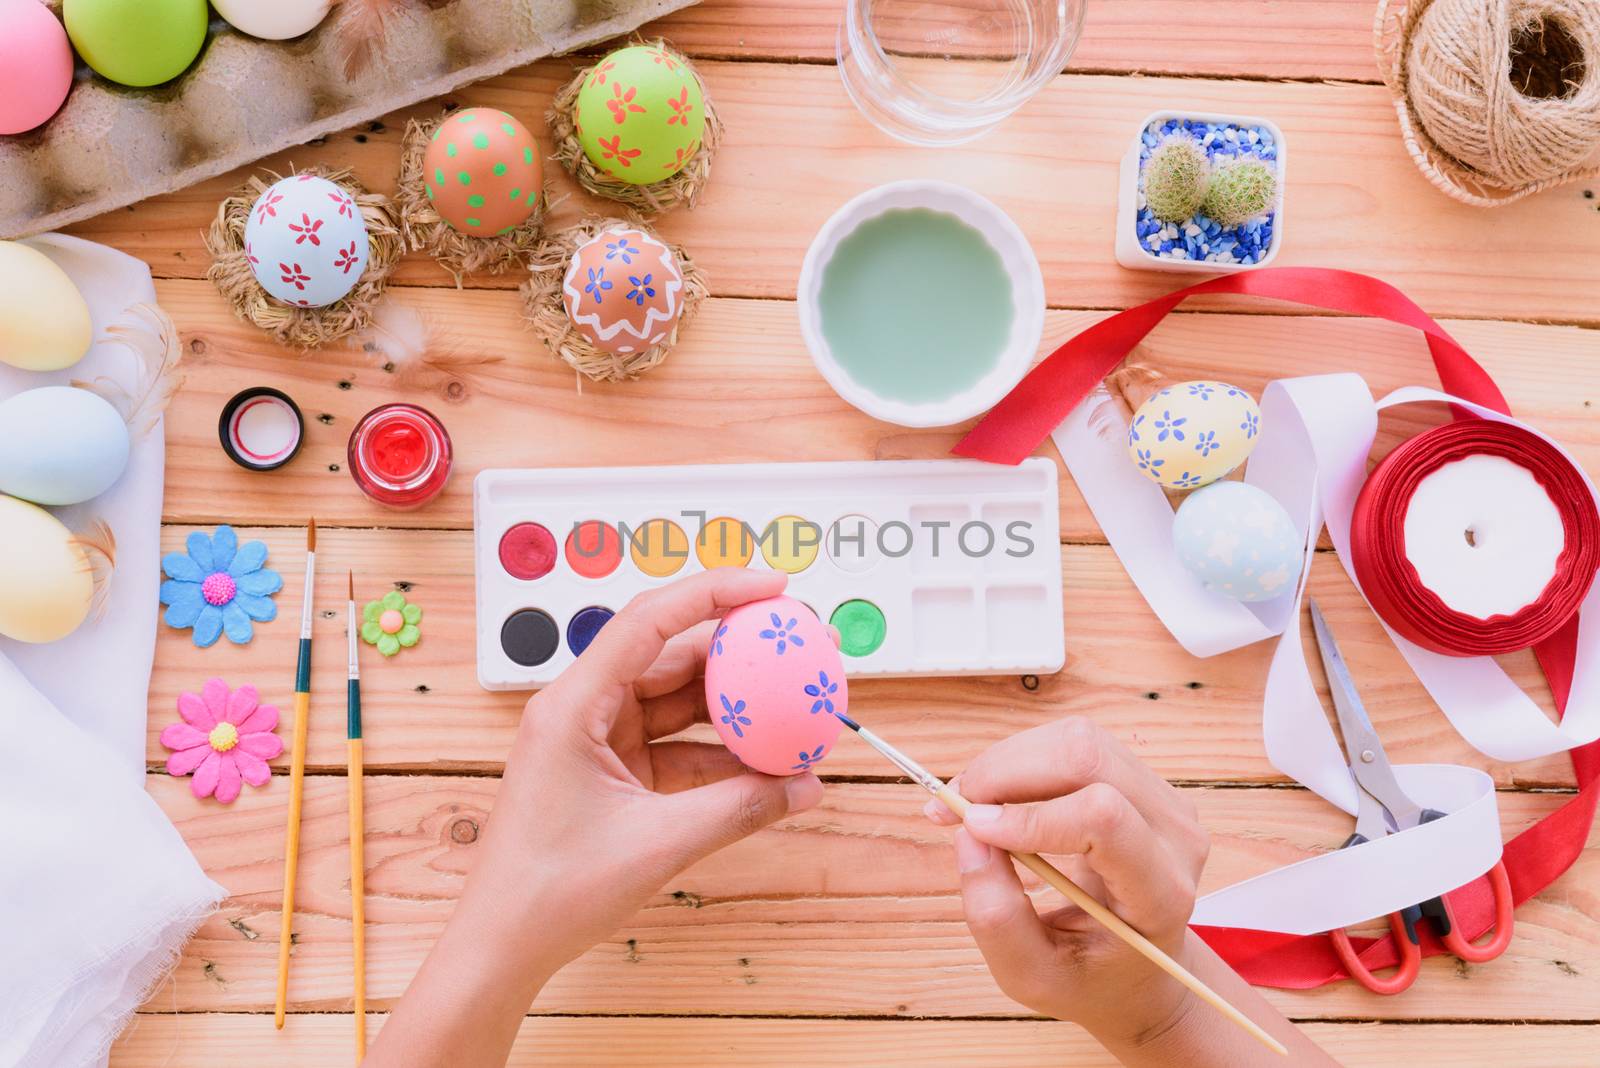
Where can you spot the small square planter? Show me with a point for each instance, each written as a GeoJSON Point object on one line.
{"type": "Point", "coordinates": [1250, 245]}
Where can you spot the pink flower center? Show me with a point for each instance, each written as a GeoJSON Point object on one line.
{"type": "Point", "coordinates": [223, 737]}
{"type": "Point", "coordinates": [391, 621]}
{"type": "Point", "coordinates": [218, 588]}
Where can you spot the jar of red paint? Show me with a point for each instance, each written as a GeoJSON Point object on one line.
{"type": "Point", "coordinates": [400, 455]}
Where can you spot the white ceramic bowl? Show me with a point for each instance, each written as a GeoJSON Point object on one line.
{"type": "Point", "coordinates": [1135, 256]}
{"type": "Point", "coordinates": [1003, 235]}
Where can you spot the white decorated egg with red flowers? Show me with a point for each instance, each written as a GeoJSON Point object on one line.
{"type": "Point", "coordinates": [306, 241]}
{"type": "Point", "coordinates": [623, 290]}
{"type": "Point", "coordinates": [774, 685]}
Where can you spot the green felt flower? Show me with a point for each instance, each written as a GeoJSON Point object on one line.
{"type": "Point", "coordinates": [391, 623]}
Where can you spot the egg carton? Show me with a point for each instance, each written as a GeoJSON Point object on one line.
{"type": "Point", "coordinates": [111, 145]}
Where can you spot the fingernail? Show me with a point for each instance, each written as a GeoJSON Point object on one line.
{"type": "Point", "coordinates": [934, 810]}
{"type": "Point", "coordinates": [971, 854]}
{"type": "Point", "coordinates": [803, 792]}
{"type": "Point", "coordinates": [983, 815]}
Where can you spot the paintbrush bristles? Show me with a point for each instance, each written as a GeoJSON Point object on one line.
{"type": "Point", "coordinates": [352, 576]}
{"type": "Point", "coordinates": [311, 535]}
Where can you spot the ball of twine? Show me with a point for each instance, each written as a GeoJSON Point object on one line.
{"type": "Point", "coordinates": [455, 251]}
{"type": "Point", "coordinates": [545, 312]}
{"type": "Point", "coordinates": [1497, 99]}
{"type": "Point", "coordinates": [301, 328]}
{"type": "Point", "coordinates": [654, 197]}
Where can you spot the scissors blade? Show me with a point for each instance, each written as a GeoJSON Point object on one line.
{"type": "Point", "coordinates": [1363, 748]}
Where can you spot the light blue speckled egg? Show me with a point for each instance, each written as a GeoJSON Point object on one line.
{"type": "Point", "coordinates": [60, 445]}
{"type": "Point", "coordinates": [1239, 542]}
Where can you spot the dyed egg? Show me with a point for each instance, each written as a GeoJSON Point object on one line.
{"type": "Point", "coordinates": [623, 290]}
{"type": "Point", "coordinates": [137, 42]}
{"type": "Point", "coordinates": [773, 682]}
{"type": "Point", "coordinates": [277, 20]}
{"type": "Point", "coordinates": [44, 322]}
{"type": "Point", "coordinates": [35, 65]}
{"type": "Point", "coordinates": [1193, 433]}
{"type": "Point", "coordinates": [482, 172]}
{"type": "Point", "coordinates": [61, 445]}
{"type": "Point", "coordinates": [46, 583]}
{"type": "Point", "coordinates": [1239, 542]}
{"type": "Point", "coordinates": [640, 114]}
{"type": "Point", "coordinates": [306, 241]}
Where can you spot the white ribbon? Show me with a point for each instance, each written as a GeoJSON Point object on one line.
{"type": "Point", "coordinates": [1317, 435]}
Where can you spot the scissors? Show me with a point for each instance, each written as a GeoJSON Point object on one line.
{"type": "Point", "coordinates": [1383, 808]}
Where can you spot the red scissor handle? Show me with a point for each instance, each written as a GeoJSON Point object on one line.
{"type": "Point", "coordinates": [1404, 975]}
{"type": "Point", "coordinates": [1503, 923]}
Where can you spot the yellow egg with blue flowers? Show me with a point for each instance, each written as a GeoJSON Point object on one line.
{"type": "Point", "coordinates": [1193, 433]}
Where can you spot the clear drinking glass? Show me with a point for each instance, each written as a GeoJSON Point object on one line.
{"type": "Point", "coordinates": [941, 72]}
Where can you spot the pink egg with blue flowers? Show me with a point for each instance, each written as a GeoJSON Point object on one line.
{"type": "Point", "coordinates": [774, 680]}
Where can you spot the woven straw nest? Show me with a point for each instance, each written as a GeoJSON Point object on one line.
{"type": "Point", "coordinates": [424, 230]}
{"type": "Point", "coordinates": [301, 328]}
{"type": "Point", "coordinates": [682, 188]}
{"type": "Point", "coordinates": [542, 305]}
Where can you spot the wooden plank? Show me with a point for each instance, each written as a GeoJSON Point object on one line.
{"type": "Point", "coordinates": [1226, 38]}
{"type": "Point", "coordinates": [157, 1041]}
{"type": "Point", "coordinates": [1191, 719]}
{"type": "Point", "coordinates": [1053, 166]}
{"type": "Point", "coordinates": [848, 909]}
{"type": "Point", "coordinates": [740, 386]}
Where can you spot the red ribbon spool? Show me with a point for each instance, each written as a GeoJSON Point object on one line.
{"type": "Point", "coordinates": [1390, 581]}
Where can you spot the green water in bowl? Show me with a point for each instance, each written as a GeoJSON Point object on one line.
{"type": "Point", "coordinates": [916, 305]}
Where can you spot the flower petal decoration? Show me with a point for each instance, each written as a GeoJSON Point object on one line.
{"type": "Point", "coordinates": [217, 586]}
{"type": "Point", "coordinates": [391, 623]}
{"type": "Point", "coordinates": [224, 739]}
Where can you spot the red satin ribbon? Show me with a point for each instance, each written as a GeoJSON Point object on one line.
{"type": "Point", "coordinates": [1390, 581]}
{"type": "Point", "coordinates": [1026, 416]}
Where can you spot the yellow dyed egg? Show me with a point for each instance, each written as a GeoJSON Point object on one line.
{"type": "Point", "coordinates": [46, 583]}
{"type": "Point", "coordinates": [44, 323]}
{"type": "Point", "coordinates": [1193, 433]}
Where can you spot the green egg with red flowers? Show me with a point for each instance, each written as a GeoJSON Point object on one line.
{"type": "Point", "coordinates": [641, 114]}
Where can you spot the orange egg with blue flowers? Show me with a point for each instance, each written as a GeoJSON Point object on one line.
{"type": "Point", "coordinates": [482, 172]}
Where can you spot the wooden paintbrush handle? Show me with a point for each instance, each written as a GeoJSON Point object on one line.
{"type": "Point", "coordinates": [358, 904]}
{"type": "Point", "coordinates": [1120, 927]}
{"type": "Point", "coordinates": [291, 849]}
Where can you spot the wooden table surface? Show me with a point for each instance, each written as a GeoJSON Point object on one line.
{"type": "Point", "coordinates": [838, 935]}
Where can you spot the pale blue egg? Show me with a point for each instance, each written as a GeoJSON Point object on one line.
{"type": "Point", "coordinates": [1239, 541]}
{"type": "Point", "coordinates": [60, 445]}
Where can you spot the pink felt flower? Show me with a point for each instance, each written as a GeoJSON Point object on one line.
{"type": "Point", "coordinates": [225, 737]}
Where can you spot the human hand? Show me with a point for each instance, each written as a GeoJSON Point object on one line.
{"type": "Point", "coordinates": [597, 810]}
{"type": "Point", "coordinates": [1124, 834]}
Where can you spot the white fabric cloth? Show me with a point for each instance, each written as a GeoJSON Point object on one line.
{"type": "Point", "coordinates": [98, 891]}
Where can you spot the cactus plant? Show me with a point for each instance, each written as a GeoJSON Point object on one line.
{"type": "Point", "coordinates": [1240, 190]}
{"type": "Point", "coordinates": [1175, 178]}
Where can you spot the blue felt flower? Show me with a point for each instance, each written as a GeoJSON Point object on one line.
{"type": "Point", "coordinates": [808, 759]}
{"type": "Point", "coordinates": [218, 586]}
{"type": "Point", "coordinates": [716, 640]}
{"type": "Point", "coordinates": [1207, 443]}
{"type": "Point", "coordinates": [1168, 425]}
{"type": "Point", "coordinates": [1251, 425]}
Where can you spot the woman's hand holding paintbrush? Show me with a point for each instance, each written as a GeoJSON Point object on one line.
{"type": "Point", "coordinates": [1131, 841]}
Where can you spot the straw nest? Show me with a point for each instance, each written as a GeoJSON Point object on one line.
{"type": "Point", "coordinates": [301, 328]}
{"type": "Point", "coordinates": [682, 188]}
{"type": "Point", "coordinates": [542, 305]}
{"type": "Point", "coordinates": [456, 252]}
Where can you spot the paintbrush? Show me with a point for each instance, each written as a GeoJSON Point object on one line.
{"type": "Point", "coordinates": [1070, 890]}
{"type": "Point", "coordinates": [358, 909]}
{"type": "Point", "coordinates": [297, 771]}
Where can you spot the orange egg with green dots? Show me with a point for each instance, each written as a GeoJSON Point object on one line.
{"type": "Point", "coordinates": [482, 172]}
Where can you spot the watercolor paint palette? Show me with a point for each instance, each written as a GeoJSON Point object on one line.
{"type": "Point", "coordinates": [926, 567]}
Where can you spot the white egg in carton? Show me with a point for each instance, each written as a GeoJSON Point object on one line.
{"type": "Point", "coordinates": [927, 567]}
